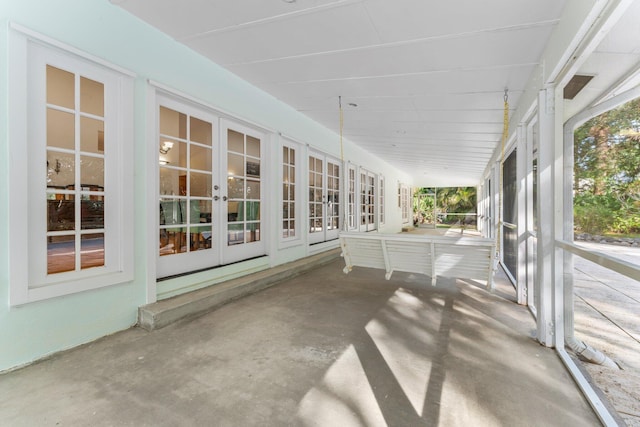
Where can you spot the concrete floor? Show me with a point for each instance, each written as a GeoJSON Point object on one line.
{"type": "Point", "coordinates": [323, 349]}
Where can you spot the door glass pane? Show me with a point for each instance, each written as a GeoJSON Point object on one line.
{"type": "Point", "coordinates": [201, 131]}
{"type": "Point", "coordinates": [200, 184]}
{"type": "Point", "coordinates": [253, 232]}
{"type": "Point", "coordinates": [173, 240]}
{"type": "Point", "coordinates": [200, 158]}
{"type": "Point", "coordinates": [173, 123]}
{"type": "Point", "coordinates": [61, 169]}
{"type": "Point", "coordinates": [92, 172]}
{"type": "Point", "coordinates": [235, 141]}
{"type": "Point", "coordinates": [253, 189]}
{"type": "Point", "coordinates": [60, 87]}
{"type": "Point", "coordinates": [170, 182]}
{"type": "Point", "coordinates": [91, 97]}
{"type": "Point", "coordinates": [61, 129]}
{"type": "Point", "coordinates": [91, 135]}
{"type": "Point", "coordinates": [236, 188]}
{"type": "Point", "coordinates": [253, 146]}
{"type": "Point", "coordinates": [235, 165]}
{"type": "Point", "coordinates": [235, 234]}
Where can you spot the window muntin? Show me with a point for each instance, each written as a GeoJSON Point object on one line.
{"type": "Point", "coordinates": [289, 186]}
{"type": "Point", "coordinates": [186, 181]}
{"type": "Point", "coordinates": [75, 171]}
{"type": "Point", "coordinates": [405, 203]}
{"type": "Point", "coordinates": [333, 195]}
{"type": "Point", "coordinates": [381, 218]}
{"type": "Point", "coordinates": [351, 202]}
{"type": "Point", "coordinates": [367, 200]}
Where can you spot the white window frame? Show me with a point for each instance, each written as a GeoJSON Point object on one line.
{"type": "Point", "coordinates": [381, 201]}
{"type": "Point", "coordinates": [29, 281]}
{"type": "Point", "coordinates": [298, 194]}
{"type": "Point", "coordinates": [326, 234]}
{"type": "Point", "coordinates": [405, 203]}
{"type": "Point", "coordinates": [363, 213]}
{"type": "Point", "coordinates": [352, 198]}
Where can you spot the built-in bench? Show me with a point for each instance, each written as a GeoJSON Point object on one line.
{"type": "Point", "coordinates": [460, 257]}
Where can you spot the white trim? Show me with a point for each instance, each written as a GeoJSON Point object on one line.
{"type": "Point", "coordinates": [217, 110]}
{"type": "Point", "coordinates": [587, 389]}
{"type": "Point", "coordinates": [152, 186]}
{"type": "Point", "coordinates": [38, 37]}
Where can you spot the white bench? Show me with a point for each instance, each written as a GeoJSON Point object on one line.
{"type": "Point", "coordinates": [461, 257]}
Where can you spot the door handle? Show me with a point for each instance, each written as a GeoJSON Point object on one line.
{"type": "Point", "coordinates": [224, 198]}
{"type": "Point", "coordinates": [216, 198]}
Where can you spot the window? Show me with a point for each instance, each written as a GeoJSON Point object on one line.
{"type": "Point", "coordinates": [351, 214]}
{"type": "Point", "coordinates": [76, 144]}
{"type": "Point", "coordinates": [405, 203]}
{"type": "Point", "coordinates": [367, 200]}
{"type": "Point", "coordinates": [289, 186]}
{"type": "Point", "coordinates": [381, 201]}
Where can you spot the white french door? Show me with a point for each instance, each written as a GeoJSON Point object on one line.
{"type": "Point", "coordinates": [189, 174]}
{"type": "Point", "coordinates": [324, 198]}
{"type": "Point", "coordinates": [242, 192]}
{"type": "Point", "coordinates": [209, 189]}
{"type": "Point", "coordinates": [367, 200]}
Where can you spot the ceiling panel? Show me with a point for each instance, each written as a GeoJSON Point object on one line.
{"type": "Point", "coordinates": [326, 30]}
{"type": "Point", "coordinates": [411, 19]}
{"type": "Point", "coordinates": [428, 77]}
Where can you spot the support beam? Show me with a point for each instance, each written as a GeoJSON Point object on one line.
{"type": "Point", "coordinates": [546, 220]}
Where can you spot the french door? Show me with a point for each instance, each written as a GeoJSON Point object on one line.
{"type": "Point", "coordinates": [367, 200]}
{"type": "Point", "coordinates": [324, 198]}
{"type": "Point", "coordinates": [209, 189]}
{"type": "Point", "coordinates": [242, 207]}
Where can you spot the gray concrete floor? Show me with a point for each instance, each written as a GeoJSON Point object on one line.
{"type": "Point", "coordinates": [323, 349]}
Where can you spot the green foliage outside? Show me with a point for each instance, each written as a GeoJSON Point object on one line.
{"type": "Point", "coordinates": [607, 172]}
{"type": "Point", "coordinates": [449, 201]}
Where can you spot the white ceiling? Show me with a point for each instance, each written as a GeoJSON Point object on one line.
{"type": "Point", "coordinates": [428, 77]}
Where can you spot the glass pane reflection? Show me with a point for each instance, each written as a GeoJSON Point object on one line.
{"type": "Point", "coordinates": [91, 250]}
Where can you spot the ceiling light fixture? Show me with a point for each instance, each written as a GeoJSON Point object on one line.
{"type": "Point", "coordinates": [289, 1]}
{"type": "Point", "coordinates": [166, 146]}
{"type": "Point", "coordinates": [353, 104]}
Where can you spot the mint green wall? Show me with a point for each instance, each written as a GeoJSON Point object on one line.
{"type": "Point", "coordinates": [101, 29]}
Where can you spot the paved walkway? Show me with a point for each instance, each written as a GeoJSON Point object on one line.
{"type": "Point", "coordinates": [323, 349]}
{"type": "Point", "coordinates": [607, 316]}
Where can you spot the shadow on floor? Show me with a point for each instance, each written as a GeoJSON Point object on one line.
{"type": "Point", "coordinates": [323, 349]}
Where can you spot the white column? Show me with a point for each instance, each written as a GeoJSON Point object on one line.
{"type": "Point", "coordinates": [546, 220]}
{"type": "Point", "coordinates": [521, 177]}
